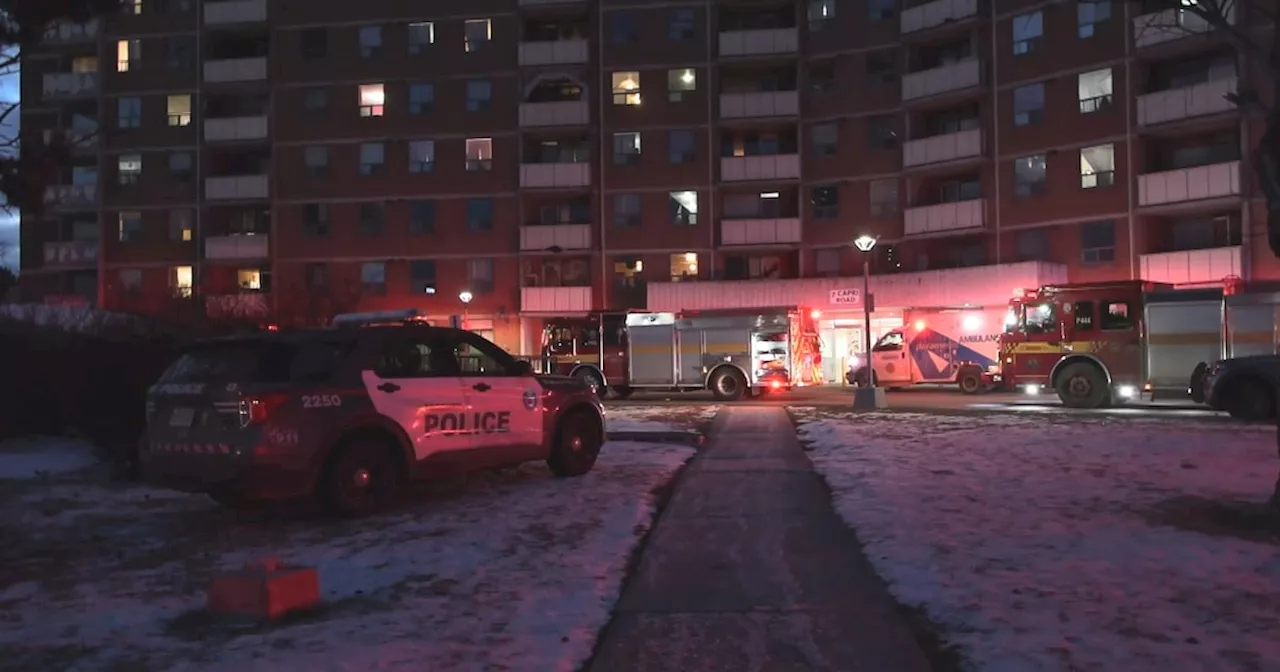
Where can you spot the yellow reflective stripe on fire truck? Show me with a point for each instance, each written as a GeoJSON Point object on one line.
{"type": "Point", "coordinates": [1036, 348]}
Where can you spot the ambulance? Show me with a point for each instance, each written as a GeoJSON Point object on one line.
{"type": "Point", "coordinates": [937, 347]}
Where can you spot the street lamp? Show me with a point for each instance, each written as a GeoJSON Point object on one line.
{"type": "Point", "coordinates": [465, 297]}
{"type": "Point", "coordinates": [867, 396]}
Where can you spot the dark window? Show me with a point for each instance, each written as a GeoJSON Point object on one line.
{"type": "Point", "coordinates": [422, 218]}
{"type": "Point", "coordinates": [623, 27]}
{"type": "Point", "coordinates": [258, 361]}
{"type": "Point", "coordinates": [626, 210]}
{"type": "Point", "coordinates": [479, 357]}
{"type": "Point", "coordinates": [373, 218]}
{"type": "Point", "coordinates": [681, 25]}
{"type": "Point", "coordinates": [1033, 245]}
{"type": "Point", "coordinates": [479, 214]}
{"type": "Point", "coordinates": [418, 358]}
{"type": "Point", "coordinates": [422, 276]}
{"type": "Point", "coordinates": [317, 275]}
{"type": "Point", "coordinates": [1116, 316]}
{"type": "Point", "coordinates": [826, 201]}
{"type": "Point", "coordinates": [315, 43]}
{"type": "Point", "coordinates": [881, 10]}
{"type": "Point", "coordinates": [1098, 242]}
{"type": "Point", "coordinates": [882, 132]}
{"type": "Point", "coordinates": [315, 102]}
{"type": "Point", "coordinates": [315, 219]}
{"type": "Point", "coordinates": [681, 145]}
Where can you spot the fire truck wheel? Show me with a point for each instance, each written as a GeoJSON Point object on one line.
{"type": "Point", "coordinates": [727, 384]}
{"type": "Point", "coordinates": [593, 380]}
{"type": "Point", "coordinates": [621, 391]}
{"type": "Point", "coordinates": [1250, 400]}
{"type": "Point", "coordinates": [1083, 385]}
{"type": "Point", "coordinates": [970, 382]}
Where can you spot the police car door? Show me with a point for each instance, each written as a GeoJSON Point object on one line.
{"type": "Point", "coordinates": [413, 388]}
{"type": "Point", "coordinates": [506, 406]}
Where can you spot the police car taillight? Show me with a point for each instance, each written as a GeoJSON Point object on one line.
{"type": "Point", "coordinates": [257, 410]}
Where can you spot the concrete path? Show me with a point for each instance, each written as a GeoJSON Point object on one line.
{"type": "Point", "coordinates": [750, 568]}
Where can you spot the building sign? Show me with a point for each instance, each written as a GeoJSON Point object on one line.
{"type": "Point", "coordinates": [846, 297]}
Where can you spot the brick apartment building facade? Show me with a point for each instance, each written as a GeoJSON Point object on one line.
{"type": "Point", "coordinates": [553, 157]}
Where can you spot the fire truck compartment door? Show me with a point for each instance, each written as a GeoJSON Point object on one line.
{"type": "Point", "coordinates": [653, 354]}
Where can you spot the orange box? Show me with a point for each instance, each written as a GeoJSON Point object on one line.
{"type": "Point", "coordinates": [266, 589]}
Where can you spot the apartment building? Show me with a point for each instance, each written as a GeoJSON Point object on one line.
{"type": "Point", "coordinates": [553, 157]}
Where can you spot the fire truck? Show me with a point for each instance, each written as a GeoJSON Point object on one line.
{"type": "Point", "coordinates": [1099, 344]}
{"type": "Point", "coordinates": [732, 353]}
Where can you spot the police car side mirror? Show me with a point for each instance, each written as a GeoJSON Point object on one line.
{"type": "Point", "coordinates": [523, 368]}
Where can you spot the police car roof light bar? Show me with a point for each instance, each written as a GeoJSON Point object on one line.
{"type": "Point", "coordinates": [376, 317]}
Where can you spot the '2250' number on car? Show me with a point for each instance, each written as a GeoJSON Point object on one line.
{"type": "Point", "coordinates": [321, 400]}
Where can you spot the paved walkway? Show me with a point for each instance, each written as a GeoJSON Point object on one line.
{"type": "Point", "coordinates": [750, 568]}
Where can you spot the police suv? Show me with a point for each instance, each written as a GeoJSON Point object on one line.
{"type": "Point", "coordinates": [351, 413]}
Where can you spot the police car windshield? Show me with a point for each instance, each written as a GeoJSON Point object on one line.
{"type": "Point", "coordinates": [253, 361]}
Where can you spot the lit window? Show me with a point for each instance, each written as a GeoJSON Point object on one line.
{"type": "Point", "coordinates": [372, 100]}
{"type": "Point", "coordinates": [182, 281]}
{"type": "Point", "coordinates": [679, 82]}
{"type": "Point", "coordinates": [180, 110]}
{"type": "Point", "coordinates": [683, 207]}
{"type": "Point", "coordinates": [180, 228]}
{"type": "Point", "coordinates": [129, 168]}
{"type": "Point", "coordinates": [477, 33]}
{"type": "Point", "coordinates": [421, 36]}
{"type": "Point", "coordinates": [684, 266]}
{"type": "Point", "coordinates": [1097, 166]}
{"type": "Point", "coordinates": [626, 88]}
{"type": "Point", "coordinates": [479, 153]}
{"type": "Point", "coordinates": [249, 279]}
{"type": "Point", "coordinates": [1095, 90]}
{"type": "Point", "coordinates": [132, 7]}
{"type": "Point", "coordinates": [127, 51]}
{"type": "Point", "coordinates": [82, 64]}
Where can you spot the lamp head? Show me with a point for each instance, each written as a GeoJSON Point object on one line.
{"type": "Point", "coordinates": [864, 243]}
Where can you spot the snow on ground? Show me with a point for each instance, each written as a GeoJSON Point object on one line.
{"type": "Point", "coordinates": [512, 570]}
{"type": "Point", "coordinates": [1037, 543]}
{"type": "Point", "coordinates": [659, 418]}
{"type": "Point", "coordinates": [30, 458]}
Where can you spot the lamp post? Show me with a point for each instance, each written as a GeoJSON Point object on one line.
{"type": "Point", "coordinates": [867, 396]}
{"type": "Point", "coordinates": [465, 297]}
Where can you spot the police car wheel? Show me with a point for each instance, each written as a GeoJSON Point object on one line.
{"type": "Point", "coordinates": [360, 479]}
{"type": "Point", "coordinates": [577, 445]}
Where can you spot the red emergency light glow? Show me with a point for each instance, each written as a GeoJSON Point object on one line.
{"type": "Point", "coordinates": [919, 325]}
{"type": "Point", "coordinates": [257, 410]}
{"type": "Point", "coordinates": [815, 314]}
{"type": "Point", "coordinates": [775, 385]}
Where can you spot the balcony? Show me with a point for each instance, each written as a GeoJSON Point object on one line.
{"type": "Point", "coordinates": [554, 52]}
{"type": "Point", "coordinates": [1193, 267]}
{"type": "Point", "coordinates": [67, 32]}
{"type": "Point", "coordinates": [555, 300]}
{"type": "Point", "coordinates": [783, 230]}
{"type": "Point", "coordinates": [760, 167]}
{"type": "Point", "coordinates": [559, 113]}
{"type": "Point", "coordinates": [226, 12]}
{"type": "Point", "coordinates": [233, 248]}
{"type": "Point", "coordinates": [72, 195]}
{"type": "Point", "coordinates": [760, 104]}
{"type": "Point", "coordinates": [235, 128]}
{"type": "Point", "coordinates": [936, 13]}
{"type": "Point", "coordinates": [1216, 180]}
{"type": "Point", "coordinates": [236, 187]}
{"type": "Point", "coordinates": [957, 76]}
{"type": "Point", "coordinates": [977, 285]}
{"type": "Point", "coordinates": [759, 42]}
{"type": "Point", "coordinates": [944, 217]}
{"type": "Point", "coordinates": [235, 70]}
{"type": "Point", "coordinates": [1185, 103]}
{"type": "Point", "coordinates": [1172, 24]}
{"type": "Point", "coordinates": [942, 148]}
{"type": "Point", "coordinates": [245, 305]}
{"type": "Point", "coordinates": [563, 236]}
{"type": "Point", "coordinates": [555, 175]}
{"type": "Point", "coordinates": [71, 253]}
{"type": "Point", "coordinates": [63, 85]}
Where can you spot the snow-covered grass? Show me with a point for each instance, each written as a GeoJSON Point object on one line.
{"type": "Point", "coordinates": [508, 570]}
{"type": "Point", "coordinates": [35, 458]}
{"type": "Point", "coordinates": [1055, 543]}
{"type": "Point", "coordinates": [660, 418]}
{"type": "Point", "coordinates": [67, 318]}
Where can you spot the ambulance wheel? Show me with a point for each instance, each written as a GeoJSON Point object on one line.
{"type": "Point", "coordinates": [593, 380]}
{"type": "Point", "coordinates": [577, 444]}
{"type": "Point", "coordinates": [1082, 385]}
{"type": "Point", "coordinates": [361, 477]}
{"type": "Point", "coordinates": [970, 382]}
{"type": "Point", "coordinates": [728, 384]}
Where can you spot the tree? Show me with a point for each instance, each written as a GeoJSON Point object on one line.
{"type": "Point", "coordinates": [25, 170]}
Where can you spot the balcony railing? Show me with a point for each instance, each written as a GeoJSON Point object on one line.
{"type": "Point", "coordinates": [63, 85]}
{"type": "Point", "coordinates": [71, 253]}
{"type": "Point", "coordinates": [226, 12]}
{"type": "Point", "coordinates": [66, 32]}
{"type": "Point", "coordinates": [229, 248]}
{"type": "Point", "coordinates": [72, 195]}
{"type": "Point", "coordinates": [237, 187]}
{"type": "Point", "coordinates": [957, 76]}
{"type": "Point", "coordinates": [759, 42]}
{"type": "Point", "coordinates": [235, 128]}
{"type": "Point", "coordinates": [235, 70]}
{"type": "Point", "coordinates": [936, 13]}
{"type": "Point", "coordinates": [555, 300]}
{"type": "Point", "coordinates": [563, 236]}
{"type": "Point", "coordinates": [760, 104]}
{"type": "Point", "coordinates": [554, 52]}
{"type": "Point", "coordinates": [1216, 180]}
{"type": "Point", "coordinates": [558, 113]}
{"type": "Point", "coordinates": [552, 175]}
{"type": "Point", "coordinates": [760, 167]}
{"type": "Point", "coordinates": [1191, 267]}
{"type": "Point", "coordinates": [958, 216]}
{"type": "Point", "coordinates": [760, 231]}
{"type": "Point", "coordinates": [1186, 102]}
{"type": "Point", "coordinates": [1173, 24]}
{"type": "Point", "coordinates": [942, 148]}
